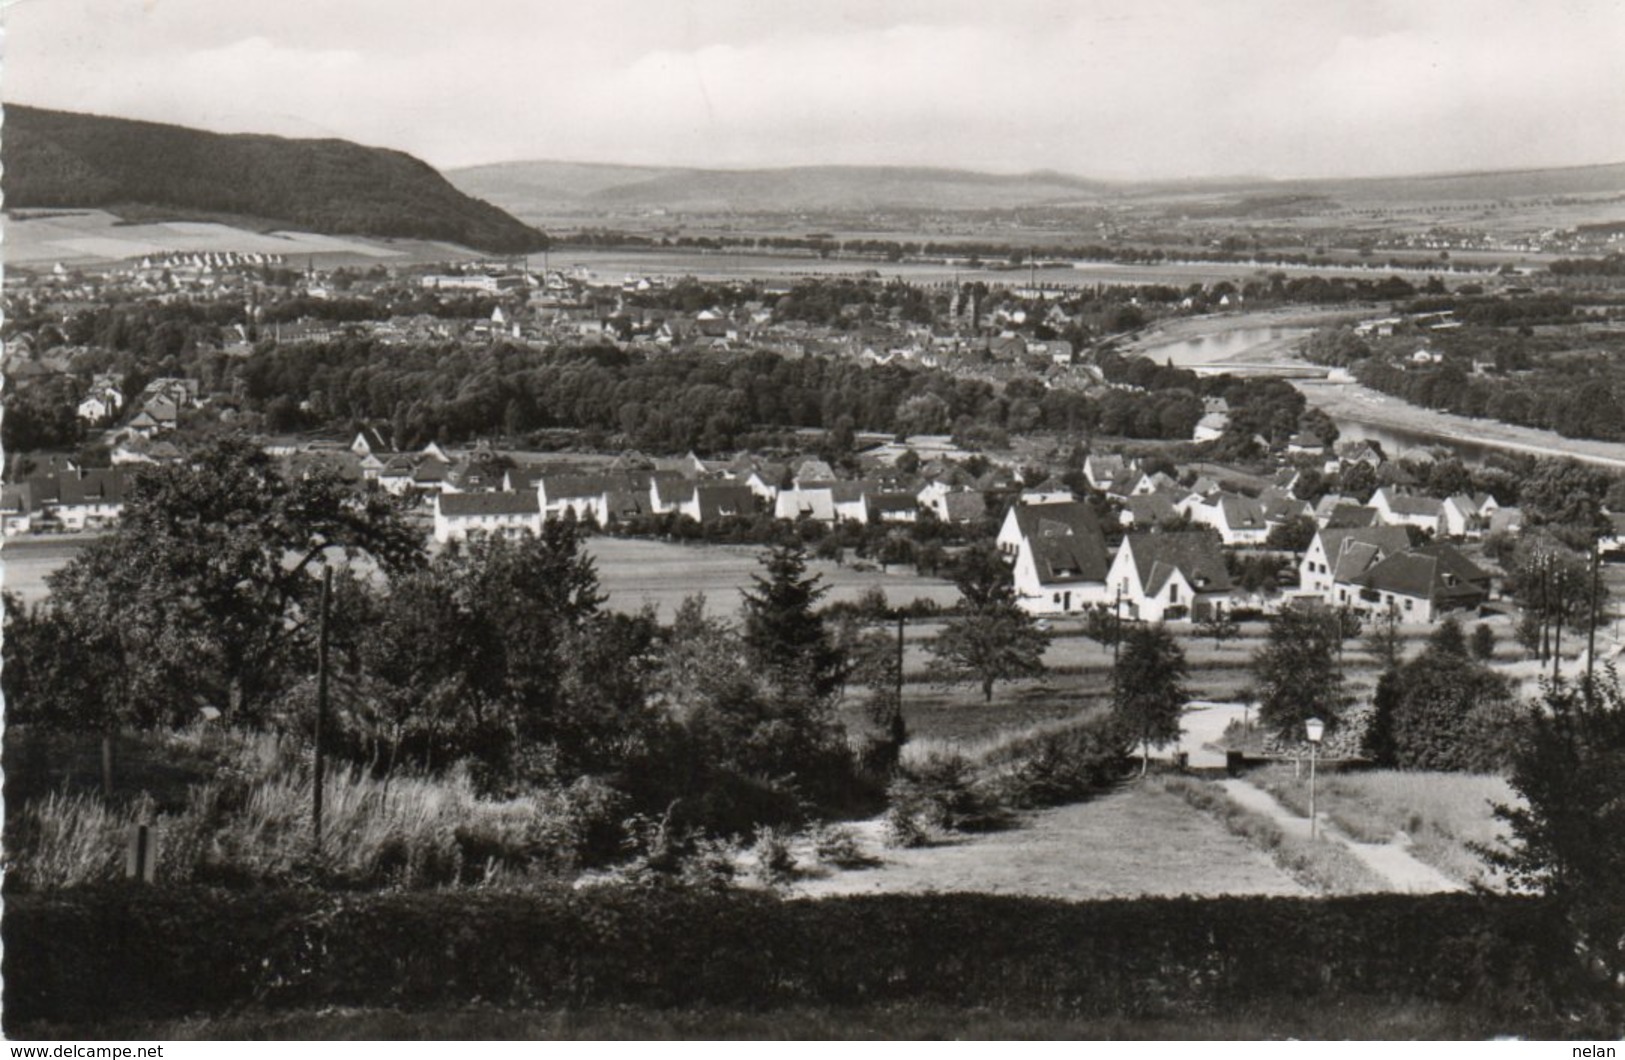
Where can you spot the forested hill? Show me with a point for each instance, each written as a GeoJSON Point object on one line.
{"type": "Point", "coordinates": [146, 170]}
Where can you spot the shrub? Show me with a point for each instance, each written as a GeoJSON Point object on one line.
{"type": "Point", "coordinates": [838, 845]}
{"type": "Point", "coordinates": [1056, 766]}
{"type": "Point", "coordinates": [942, 795]}
{"type": "Point", "coordinates": [87, 955]}
{"type": "Point", "coordinates": [775, 864]}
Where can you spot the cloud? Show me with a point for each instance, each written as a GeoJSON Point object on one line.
{"type": "Point", "coordinates": [1153, 88]}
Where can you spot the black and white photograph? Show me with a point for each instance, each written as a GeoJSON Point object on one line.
{"type": "Point", "coordinates": [805, 520]}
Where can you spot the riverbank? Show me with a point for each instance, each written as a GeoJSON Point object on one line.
{"type": "Point", "coordinates": [1353, 403]}
{"type": "Point", "coordinates": [1274, 335]}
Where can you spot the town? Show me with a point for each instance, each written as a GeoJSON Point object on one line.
{"type": "Point", "coordinates": [642, 521]}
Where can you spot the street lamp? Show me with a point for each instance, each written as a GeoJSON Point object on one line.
{"type": "Point", "coordinates": [1314, 728]}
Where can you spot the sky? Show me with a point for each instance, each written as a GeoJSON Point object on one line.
{"type": "Point", "coordinates": [1123, 90]}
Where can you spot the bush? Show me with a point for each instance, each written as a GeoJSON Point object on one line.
{"type": "Point", "coordinates": [838, 845]}
{"type": "Point", "coordinates": [941, 794]}
{"type": "Point", "coordinates": [87, 955]}
{"type": "Point", "coordinates": [775, 864]}
{"type": "Point", "coordinates": [1057, 766]}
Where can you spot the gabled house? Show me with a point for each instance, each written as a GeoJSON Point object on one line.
{"type": "Point", "coordinates": [1165, 576]}
{"type": "Point", "coordinates": [893, 506]}
{"type": "Point", "coordinates": [806, 500]}
{"type": "Point", "coordinates": [1104, 469]}
{"type": "Point", "coordinates": [1210, 427]}
{"type": "Point", "coordinates": [1462, 516]}
{"type": "Point", "coordinates": [1421, 584]}
{"type": "Point", "coordinates": [495, 512]}
{"type": "Point", "coordinates": [1149, 510]}
{"type": "Point", "coordinates": [1401, 509]}
{"type": "Point", "coordinates": [1238, 519]}
{"type": "Point", "coordinates": [1059, 556]}
{"type": "Point", "coordinates": [1341, 554]}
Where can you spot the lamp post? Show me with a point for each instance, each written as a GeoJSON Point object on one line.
{"type": "Point", "coordinates": [1314, 728]}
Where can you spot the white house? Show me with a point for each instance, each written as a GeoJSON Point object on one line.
{"type": "Point", "coordinates": [1418, 584]}
{"type": "Point", "coordinates": [1163, 576]}
{"type": "Point", "coordinates": [811, 500]}
{"type": "Point", "coordinates": [1060, 556]}
{"type": "Point", "coordinates": [1238, 519]}
{"type": "Point", "coordinates": [1342, 554]}
{"type": "Point", "coordinates": [1399, 509]}
{"type": "Point", "coordinates": [496, 512]}
{"type": "Point", "coordinates": [1464, 516]}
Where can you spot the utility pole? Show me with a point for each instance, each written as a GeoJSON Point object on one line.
{"type": "Point", "coordinates": [899, 731]}
{"type": "Point", "coordinates": [1591, 632]}
{"type": "Point", "coordinates": [321, 709]}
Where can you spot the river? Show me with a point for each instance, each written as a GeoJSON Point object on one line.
{"type": "Point", "coordinates": [1390, 422]}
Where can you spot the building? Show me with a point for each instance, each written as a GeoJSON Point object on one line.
{"type": "Point", "coordinates": [1342, 554]}
{"type": "Point", "coordinates": [1400, 509]}
{"type": "Point", "coordinates": [457, 515]}
{"type": "Point", "coordinates": [1157, 577]}
{"type": "Point", "coordinates": [1059, 556]}
{"type": "Point", "coordinates": [1420, 584]}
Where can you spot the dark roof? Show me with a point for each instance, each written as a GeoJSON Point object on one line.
{"type": "Point", "coordinates": [1351, 517]}
{"type": "Point", "coordinates": [1057, 519]}
{"type": "Point", "coordinates": [718, 499]}
{"type": "Point", "coordinates": [1151, 508]}
{"type": "Point", "coordinates": [893, 502]}
{"type": "Point", "coordinates": [1350, 550]}
{"type": "Point", "coordinates": [1242, 513]}
{"type": "Point", "coordinates": [1195, 554]}
{"type": "Point", "coordinates": [1438, 573]}
{"type": "Point", "coordinates": [1066, 541]}
{"type": "Point", "coordinates": [965, 505]}
{"type": "Point", "coordinates": [492, 502]}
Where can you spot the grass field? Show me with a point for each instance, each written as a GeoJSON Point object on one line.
{"type": "Point", "coordinates": [1137, 840]}
{"type": "Point", "coordinates": [1440, 814]}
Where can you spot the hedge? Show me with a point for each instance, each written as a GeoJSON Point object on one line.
{"type": "Point", "coordinates": [96, 954]}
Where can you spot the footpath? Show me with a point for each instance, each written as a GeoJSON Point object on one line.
{"type": "Point", "coordinates": [1391, 861]}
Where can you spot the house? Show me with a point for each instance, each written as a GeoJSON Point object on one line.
{"type": "Point", "coordinates": [813, 470]}
{"type": "Point", "coordinates": [764, 481]}
{"type": "Point", "coordinates": [1163, 576]}
{"type": "Point", "coordinates": [703, 502]}
{"type": "Point", "coordinates": [500, 513]}
{"type": "Point", "coordinates": [1347, 517]}
{"type": "Point", "coordinates": [850, 500]}
{"type": "Point", "coordinates": [1238, 519]}
{"type": "Point", "coordinates": [893, 506]}
{"type": "Point", "coordinates": [1104, 469]}
{"type": "Point", "coordinates": [16, 510]}
{"type": "Point", "coordinates": [1050, 491]}
{"type": "Point", "coordinates": [806, 500]}
{"type": "Point", "coordinates": [1343, 553]}
{"type": "Point", "coordinates": [1400, 509]}
{"type": "Point", "coordinates": [100, 405]}
{"type": "Point", "coordinates": [1153, 509]}
{"type": "Point", "coordinates": [1420, 584]}
{"type": "Point", "coordinates": [1305, 444]}
{"type": "Point", "coordinates": [1462, 516]}
{"type": "Point", "coordinates": [1060, 556]}
{"type": "Point", "coordinates": [1160, 482]}
{"type": "Point", "coordinates": [1613, 542]}
{"type": "Point", "coordinates": [370, 442]}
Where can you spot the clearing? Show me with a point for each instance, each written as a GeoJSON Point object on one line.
{"type": "Point", "coordinates": [1131, 842]}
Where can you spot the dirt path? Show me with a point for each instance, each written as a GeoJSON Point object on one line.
{"type": "Point", "coordinates": [1391, 860]}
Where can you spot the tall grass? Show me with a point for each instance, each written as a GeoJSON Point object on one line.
{"type": "Point", "coordinates": [1441, 816]}
{"type": "Point", "coordinates": [256, 827]}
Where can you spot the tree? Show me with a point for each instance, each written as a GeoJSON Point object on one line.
{"type": "Point", "coordinates": [994, 640]}
{"type": "Point", "coordinates": [1293, 535]}
{"type": "Point", "coordinates": [1451, 712]}
{"type": "Point", "coordinates": [205, 593]}
{"type": "Point", "coordinates": [1296, 672]}
{"type": "Point", "coordinates": [1384, 640]}
{"type": "Point", "coordinates": [1149, 687]}
{"type": "Point", "coordinates": [784, 633]}
{"type": "Point", "coordinates": [1569, 769]}
{"type": "Point", "coordinates": [1220, 625]}
{"type": "Point", "coordinates": [1483, 643]}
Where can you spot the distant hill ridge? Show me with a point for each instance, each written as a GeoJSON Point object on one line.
{"type": "Point", "coordinates": [148, 170]}
{"type": "Point", "coordinates": [532, 189]}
